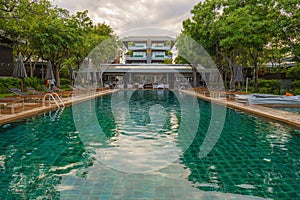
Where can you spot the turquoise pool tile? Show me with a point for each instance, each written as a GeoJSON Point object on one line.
{"type": "Point", "coordinates": [253, 157]}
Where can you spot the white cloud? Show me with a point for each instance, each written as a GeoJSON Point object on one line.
{"type": "Point", "coordinates": [129, 14]}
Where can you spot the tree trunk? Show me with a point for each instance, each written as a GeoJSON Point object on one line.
{"type": "Point", "coordinates": [232, 76]}
{"type": "Point", "coordinates": [254, 55]}
{"type": "Point", "coordinates": [56, 75]}
{"type": "Point", "coordinates": [255, 77]}
{"type": "Point", "coordinates": [291, 44]}
{"type": "Point", "coordinates": [231, 67]}
{"type": "Point", "coordinates": [31, 70]}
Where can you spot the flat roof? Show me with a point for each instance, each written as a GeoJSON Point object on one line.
{"type": "Point", "coordinates": [148, 68]}
{"type": "Point", "coordinates": [145, 38]}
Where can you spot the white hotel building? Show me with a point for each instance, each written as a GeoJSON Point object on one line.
{"type": "Point", "coordinates": [148, 50]}
{"type": "Point", "coordinates": [148, 61]}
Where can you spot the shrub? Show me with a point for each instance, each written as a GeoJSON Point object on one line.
{"type": "Point", "coordinates": [264, 90]}
{"type": "Point", "coordinates": [296, 91]}
{"type": "Point", "coordinates": [34, 83]}
{"type": "Point", "coordinates": [8, 83]}
{"type": "Point", "coordinates": [129, 53]}
{"type": "Point", "coordinates": [168, 43]}
{"type": "Point", "coordinates": [269, 86]}
{"type": "Point", "coordinates": [296, 84]}
{"type": "Point", "coordinates": [16, 83]}
{"type": "Point", "coordinates": [64, 83]}
{"type": "Point", "coordinates": [283, 91]}
{"type": "Point", "coordinates": [294, 72]}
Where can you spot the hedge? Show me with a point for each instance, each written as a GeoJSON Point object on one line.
{"type": "Point", "coordinates": [268, 86]}
{"type": "Point", "coordinates": [16, 83]}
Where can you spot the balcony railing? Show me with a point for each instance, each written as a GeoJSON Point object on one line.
{"type": "Point", "coordinates": [161, 47]}
{"type": "Point", "coordinates": [136, 57]}
{"type": "Point", "coordinates": [161, 57]}
{"type": "Point", "coordinates": [137, 47]}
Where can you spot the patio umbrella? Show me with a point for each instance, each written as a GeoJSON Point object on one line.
{"type": "Point", "coordinates": [19, 71]}
{"type": "Point", "coordinates": [49, 71]}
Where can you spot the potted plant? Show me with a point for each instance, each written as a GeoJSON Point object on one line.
{"type": "Point", "coordinates": [129, 53]}
{"type": "Point", "coordinates": [168, 43]}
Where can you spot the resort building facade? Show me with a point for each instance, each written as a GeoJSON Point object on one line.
{"type": "Point", "coordinates": [148, 49]}
{"type": "Point", "coordinates": [147, 63]}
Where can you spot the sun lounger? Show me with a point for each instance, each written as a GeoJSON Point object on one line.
{"type": "Point", "coordinates": [24, 95]}
{"type": "Point", "coordinates": [32, 90]}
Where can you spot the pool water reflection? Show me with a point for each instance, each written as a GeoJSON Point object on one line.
{"type": "Point", "coordinates": [45, 157]}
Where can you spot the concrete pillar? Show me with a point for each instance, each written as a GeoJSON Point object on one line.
{"type": "Point", "coordinates": [172, 79]}
{"type": "Point", "coordinates": [168, 78]}
{"type": "Point", "coordinates": [130, 78]}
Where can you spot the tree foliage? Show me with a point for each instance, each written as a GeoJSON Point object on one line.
{"type": "Point", "coordinates": [245, 33]}
{"type": "Point", "coordinates": [40, 30]}
{"type": "Point", "coordinates": [294, 72]}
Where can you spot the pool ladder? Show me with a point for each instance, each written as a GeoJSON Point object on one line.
{"type": "Point", "coordinates": [52, 96]}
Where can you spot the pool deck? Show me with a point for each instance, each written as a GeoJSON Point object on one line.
{"type": "Point", "coordinates": [77, 97]}
{"type": "Point", "coordinates": [263, 111]}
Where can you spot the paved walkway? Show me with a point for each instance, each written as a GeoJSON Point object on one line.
{"type": "Point", "coordinates": [76, 98]}
{"type": "Point", "coordinates": [271, 113]}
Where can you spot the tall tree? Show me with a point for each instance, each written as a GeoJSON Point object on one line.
{"type": "Point", "coordinates": [251, 28]}
{"type": "Point", "coordinates": [288, 24]}
{"type": "Point", "coordinates": [41, 30]}
{"type": "Point", "coordinates": [238, 31]}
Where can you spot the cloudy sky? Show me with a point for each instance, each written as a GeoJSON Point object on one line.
{"type": "Point", "coordinates": [125, 15]}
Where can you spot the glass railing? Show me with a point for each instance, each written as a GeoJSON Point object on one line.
{"type": "Point", "coordinates": [136, 57]}
{"type": "Point", "coordinates": [137, 47]}
{"type": "Point", "coordinates": [166, 47]}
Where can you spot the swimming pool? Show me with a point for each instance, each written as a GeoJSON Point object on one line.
{"type": "Point", "coordinates": [46, 157]}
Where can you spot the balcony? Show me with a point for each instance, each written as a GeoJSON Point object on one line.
{"type": "Point", "coordinates": [160, 47]}
{"type": "Point", "coordinates": [137, 47]}
{"type": "Point", "coordinates": [161, 57]}
{"type": "Point", "coordinates": [136, 57]}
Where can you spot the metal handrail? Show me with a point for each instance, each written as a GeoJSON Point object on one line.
{"type": "Point", "coordinates": [59, 98]}
{"type": "Point", "coordinates": [54, 99]}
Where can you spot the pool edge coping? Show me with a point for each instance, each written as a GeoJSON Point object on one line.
{"type": "Point", "coordinates": [68, 102]}
{"type": "Point", "coordinates": [262, 111]}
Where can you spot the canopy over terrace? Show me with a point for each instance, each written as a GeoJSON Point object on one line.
{"type": "Point", "coordinates": [172, 74]}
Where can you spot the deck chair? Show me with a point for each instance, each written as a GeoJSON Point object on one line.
{"type": "Point", "coordinates": [32, 90]}
{"type": "Point", "coordinates": [46, 89]}
{"type": "Point", "coordinates": [19, 93]}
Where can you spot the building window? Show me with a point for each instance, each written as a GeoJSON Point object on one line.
{"type": "Point", "coordinates": [139, 54]}
{"type": "Point", "coordinates": [158, 44]}
{"type": "Point", "coordinates": [158, 54]}
{"type": "Point", "coordinates": [140, 44]}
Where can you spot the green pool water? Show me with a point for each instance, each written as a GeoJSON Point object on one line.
{"type": "Point", "coordinates": [48, 157]}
